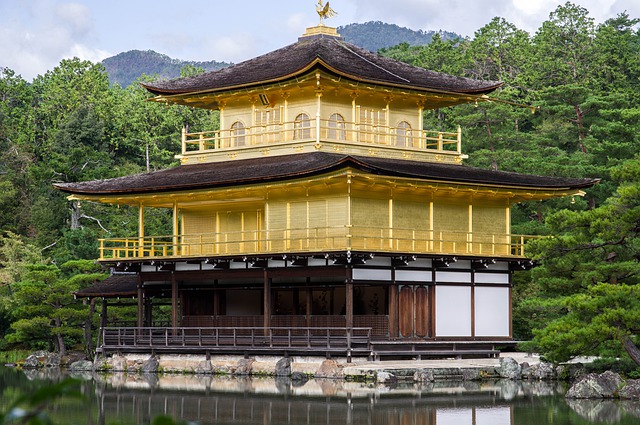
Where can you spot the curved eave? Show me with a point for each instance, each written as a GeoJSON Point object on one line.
{"type": "Point", "coordinates": [181, 96]}
{"type": "Point", "coordinates": [319, 62]}
{"type": "Point", "coordinates": [197, 181]}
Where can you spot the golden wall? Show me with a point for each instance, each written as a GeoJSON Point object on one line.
{"type": "Point", "coordinates": [334, 217]}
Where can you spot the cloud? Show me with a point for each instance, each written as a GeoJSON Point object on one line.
{"type": "Point", "coordinates": [38, 37]}
{"type": "Point", "coordinates": [76, 17]}
{"type": "Point", "coordinates": [232, 48]}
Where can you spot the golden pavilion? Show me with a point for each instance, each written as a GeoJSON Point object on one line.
{"type": "Point", "coordinates": [321, 217]}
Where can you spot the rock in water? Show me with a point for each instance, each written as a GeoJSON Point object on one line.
{"type": "Point", "coordinates": [81, 366]}
{"type": "Point", "coordinates": [631, 390]}
{"type": "Point", "coordinates": [509, 368]}
{"type": "Point", "coordinates": [593, 385]}
{"type": "Point", "coordinates": [151, 365]}
{"type": "Point", "coordinates": [283, 367]}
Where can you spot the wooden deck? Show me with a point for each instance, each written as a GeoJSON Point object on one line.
{"type": "Point", "coordinates": [316, 341]}
{"type": "Point", "coordinates": [244, 340]}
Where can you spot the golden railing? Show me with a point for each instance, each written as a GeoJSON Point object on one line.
{"type": "Point", "coordinates": [309, 240]}
{"type": "Point", "coordinates": [329, 131]}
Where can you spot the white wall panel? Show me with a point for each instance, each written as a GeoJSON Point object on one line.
{"type": "Point", "coordinates": [499, 278]}
{"type": "Point", "coordinates": [371, 274]}
{"type": "Point", "coordinates": [492, 311]}
{"type": "Point", "coordinates": [453, 311]}
{"type": "Point", "coordinates": [413, 275]}
{"type": "Point", "coordinates": [453, 277]}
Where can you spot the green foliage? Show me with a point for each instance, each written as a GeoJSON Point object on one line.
{"type": "Point", "coordinates": [589, 279]}
{"type": "Point", "coordinates": [44, 311]}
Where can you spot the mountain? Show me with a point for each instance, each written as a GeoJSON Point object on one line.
{"type": "Point", "coordinates": [374, 36]}
{"type": "Point", "coordinates": [125, 68]}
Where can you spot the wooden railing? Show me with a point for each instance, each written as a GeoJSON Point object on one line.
{"type": "Point", "coordinates": [330, 131]}
{"type": "Point", "coordinates": [324, 239]}
{"type": "Point", "coordinates": [237, 340]}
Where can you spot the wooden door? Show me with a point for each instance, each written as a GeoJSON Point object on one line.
{"type": "Point", "coordinates": [422, 312]}
{"type": "Point", "coordinates": [405, 308]}
{"type": "Point", "coordinates": [413, 311]}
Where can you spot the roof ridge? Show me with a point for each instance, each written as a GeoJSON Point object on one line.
{"type": "Point", "coordinates": [344, 46]}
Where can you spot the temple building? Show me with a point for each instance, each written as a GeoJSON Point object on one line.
{"type": "Point", "coordinates": [321, 217]}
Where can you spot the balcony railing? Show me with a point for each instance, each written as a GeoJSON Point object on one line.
{"type": "Point", "coordinates": [337, 340]}
{"type": "Point", "coordinates": [325, 239]}
{"type": "Point", "coordinates": [329, 131]}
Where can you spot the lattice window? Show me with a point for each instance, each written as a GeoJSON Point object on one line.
{"type": "Point", "coordinates": [238, 134]}
{"type": "Point", "coordinates": [372, 124]}
{"type": "Point", "coordinates": [403, 135]}
{"type": "Point", "coordinates": [302, 127]}
{"type": "Point", "coordinates": [268, 116]}
{"type": "Point", "coordinates": [337, 127]}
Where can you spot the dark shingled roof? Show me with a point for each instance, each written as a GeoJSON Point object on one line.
{"type": "Point", "coordinates": [278, 168]}
{"type": "Point", "coordinates": [116, 285]}
{"type": "Point", "coordinates": [331, 54]}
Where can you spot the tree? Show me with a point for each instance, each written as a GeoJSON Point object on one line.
{"type": "Point", "coordinates": [589, 278]}
{"type": "Point", "coordinates": [616, 55]}
{"type": "Point", "coordinates": [16, 153]}
{"type": "Point", "coordinates": [44, 309]}
{"type": "Point", "coordinates": [563, 47]}
{"type": "Point", "coordinates": [16, 256]}
{"type": "Point", "coordinates": [499, 51]}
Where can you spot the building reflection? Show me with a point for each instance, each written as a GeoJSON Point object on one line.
{"type": "Point", "coordinates": [221, 400]}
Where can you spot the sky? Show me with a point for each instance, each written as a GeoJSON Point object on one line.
{"type": "Point", "coordinates": [35, 35]}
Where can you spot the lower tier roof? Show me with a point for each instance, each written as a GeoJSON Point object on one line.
{"type": "Point", "coordinates": [281, 168]}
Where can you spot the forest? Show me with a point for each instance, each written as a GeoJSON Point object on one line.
{"type": "Point", "coordinates": [570, 106]}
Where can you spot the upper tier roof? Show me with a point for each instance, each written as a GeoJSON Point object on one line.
{"type": "Point", "coordinates": [331, 54]}
{"type": "Point", "coordinates": [272, 169]}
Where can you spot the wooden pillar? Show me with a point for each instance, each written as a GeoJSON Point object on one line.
{"type": "Point", "coordinates": [349, 300]}
{"type": "Point", "coordinates": [267, 302]}
{"type": "Point", "coordinates": [174, 301]}
{"type": "Point", "coordinates": [140, 304]}
{"type": "Point", "coordinates": [309, 302]}
{"type": "Point", "coordinates": [393, 310]}
{"type": "Point", "coordinates": [103, 314]}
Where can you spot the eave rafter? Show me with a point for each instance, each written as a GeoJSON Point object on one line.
{"type": "Point", "coordinates": [258, 192]}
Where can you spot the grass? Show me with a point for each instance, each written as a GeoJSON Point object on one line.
{"type": "Point", "coordinates": [13, 356]}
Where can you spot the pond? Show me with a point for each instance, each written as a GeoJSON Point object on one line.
{"type": "Point", "coordinates": [136, 399]}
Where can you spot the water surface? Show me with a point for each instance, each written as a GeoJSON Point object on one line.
{"type": "Point", "coordinates": [136, 399]}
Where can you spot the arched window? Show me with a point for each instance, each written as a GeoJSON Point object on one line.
{"type": "Point", "coordinates": [337, 127]}
{"type": "Point", "coordinates": [237, 134]}
{"type": "Point", "coordinates": [403, 135]}
{"type": "Point", "coordinates": [302, 127]}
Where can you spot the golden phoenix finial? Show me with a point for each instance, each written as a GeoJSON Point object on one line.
{"type": "Point", "coordinates": [324, 11]}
